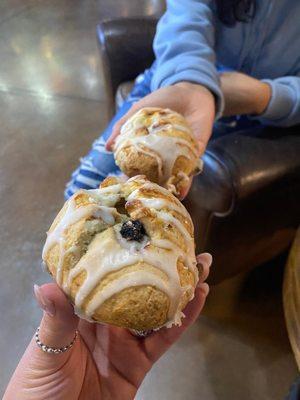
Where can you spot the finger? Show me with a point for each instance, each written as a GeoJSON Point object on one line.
{"type": "Point", "coordinates": [59, 323]}
{"type": "Point", "coordinates": [38, 369]}
{"type": "Point", "coordinates": [204, 262]}
{"type": "Point", "coordinates": [156, 344]}
{"type": "Point", "coordinates": [201, 124]}
{"type": "Point", "coordinates": [117, 127]}
{"type": "Point", "coordinates": [184, 192]}
{"type": "Point", "coordinates": [115, 132]}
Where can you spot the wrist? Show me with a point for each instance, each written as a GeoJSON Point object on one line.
{"type": "Point", "coordinates": [199, 106]}
{"type": "Point", "coordinates": [262, 98]}
{"type": "Point", "coordinates": [195, 86]}
{"type": "Point", "coordinates": [196, 91]}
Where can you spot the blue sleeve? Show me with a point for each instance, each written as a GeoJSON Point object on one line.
{"type": "Point", "coordinates": [284, 106]}
{"type": "Point", "coordinates": [184, 47]}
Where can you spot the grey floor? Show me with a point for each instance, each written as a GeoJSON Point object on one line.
{"type": "Point", "coordinates": [52, 105]}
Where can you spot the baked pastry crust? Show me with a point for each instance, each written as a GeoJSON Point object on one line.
{"type": "Point", "coordinates": [140, 284]}
{"type": "Point", "coordinates": [158, 143]}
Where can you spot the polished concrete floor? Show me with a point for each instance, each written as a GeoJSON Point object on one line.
{"type": "Point", "coordinates": [52, 105]}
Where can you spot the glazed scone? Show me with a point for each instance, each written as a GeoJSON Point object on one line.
{"type": "Point", "coordinates": [124, 254]}
{"type": "Point", "coordinates": [158, 143]}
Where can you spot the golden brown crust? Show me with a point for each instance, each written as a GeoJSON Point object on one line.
{"type": "Point", "coordinates": [135, 157]}
{"type": "Point", "coordinates": [132, 163]}
{"type": "Point", "coordinates": [140, 307]}
{"type": "Point", "coordinates": [109, 181]}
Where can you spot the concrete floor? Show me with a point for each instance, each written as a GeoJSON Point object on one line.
{"type": "Point", "coordinates": [52, 105]}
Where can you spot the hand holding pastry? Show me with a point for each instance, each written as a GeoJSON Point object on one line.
{"type": "Point", "coordinates": [194, 102]}
{"type": "Point", "coordinates": [160, 144]}
{"type": "Point", "coordinates": [104, 362]}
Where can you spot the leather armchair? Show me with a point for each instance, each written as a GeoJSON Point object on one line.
{"type": "Point", "coordinates": [246, 203]}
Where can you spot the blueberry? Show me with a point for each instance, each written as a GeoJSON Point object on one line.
{"type": "Point", "coordinates": [133, 230]}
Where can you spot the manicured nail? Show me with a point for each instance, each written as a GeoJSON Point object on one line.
{"type": "Point", "coordinates": [200, 267]}
{"type": "Point", "coordinates": [45, 304]}
{"type": "Point", "coordinates": [204, 288]}
{"type": "Point", "coordinates": [205, 258]}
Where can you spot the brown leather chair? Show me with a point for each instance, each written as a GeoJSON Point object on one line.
{"type": "Point", "coordinates": [246, 203]}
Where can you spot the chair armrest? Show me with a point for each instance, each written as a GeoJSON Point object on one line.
{"type": "Point", "coordinates": [245, 204]}
{"type": "Point", "coordinates": [126, 49]}
{"type": "Point", "coordinates": [258, 158]}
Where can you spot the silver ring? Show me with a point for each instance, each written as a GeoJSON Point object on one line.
{"type": "Point", "coordinates": [140, 334]}
{"type": "Point", "coordinates": [53, 350]}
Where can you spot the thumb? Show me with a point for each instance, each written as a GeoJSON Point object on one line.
{"type": "Point", "coordinates": [118, 125]}
{"type": "Point", "coordinates": [37, 371]}
{"type": "Point", "coordinates": [184, 192]}
{"type": "Point", "coordinates": [59, 323]}
{"type": "Point", "coordinates": [115, 132]}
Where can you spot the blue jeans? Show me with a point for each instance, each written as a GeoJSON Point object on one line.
{"type": "Point", "coordinates": [99, 163]}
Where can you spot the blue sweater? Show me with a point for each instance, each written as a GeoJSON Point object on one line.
{"type": "Point", "coordinates": [191, 43]}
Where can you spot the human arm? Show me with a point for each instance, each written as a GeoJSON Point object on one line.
{"type": "Point", "coordinates": [105, 362]}
{"type": "Point", "coordinates": [284, 106]}
{"type": "Point", "coordinates": [184, 47]}
{"type": "Point", "coordinates": [272, 102]}
{"type": "Point", "coordinates": [185, 78]}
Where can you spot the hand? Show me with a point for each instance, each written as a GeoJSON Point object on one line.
{"type": "Point", "coordinates": [244, 94]}
{"type": "Point", "coordinates": [105, 362]}
{"type": "Point", "coordinates": [193, 101]}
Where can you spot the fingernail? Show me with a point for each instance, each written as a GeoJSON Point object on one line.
{"type": "Point", "coordinates": [205, 258]}
{"type": "Point", "coordinates": [200, 267]}
{"type": "Point", "coordinates": [209, 259]}
{"type": "Point", "coordinates": [204, 288]}
{"type": "Point", "coordinates": [45, 304]}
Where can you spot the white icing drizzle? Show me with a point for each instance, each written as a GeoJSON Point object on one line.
{"type": "Point", "coordinates": [71, 216]}
{"type": "Point", "coordinates": [106, 190]}
{"type": "Point", "coordinates": [131, 280]}
{"type": "Point", "coordinates": [189, 261]}
{"type": "Point", "coordinates": [104, 213]}
{"type": "Point", "coordinates": [110, 253]}
{"type": "Point", "coordinates": [159, 203]}
{"type": "Point", "coordinates": [182, 128]}
{"type": "Point", "coordinates": [108, 196]}
{"type": "Point", "coordinates": [165, 149]}
{"type": "Point", "coordinates": [166, 217]}
{"type": "Point", "coordinates": [106, 255]}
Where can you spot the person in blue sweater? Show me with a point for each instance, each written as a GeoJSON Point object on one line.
{"type": "Point", "coordinates": [214, 59]}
